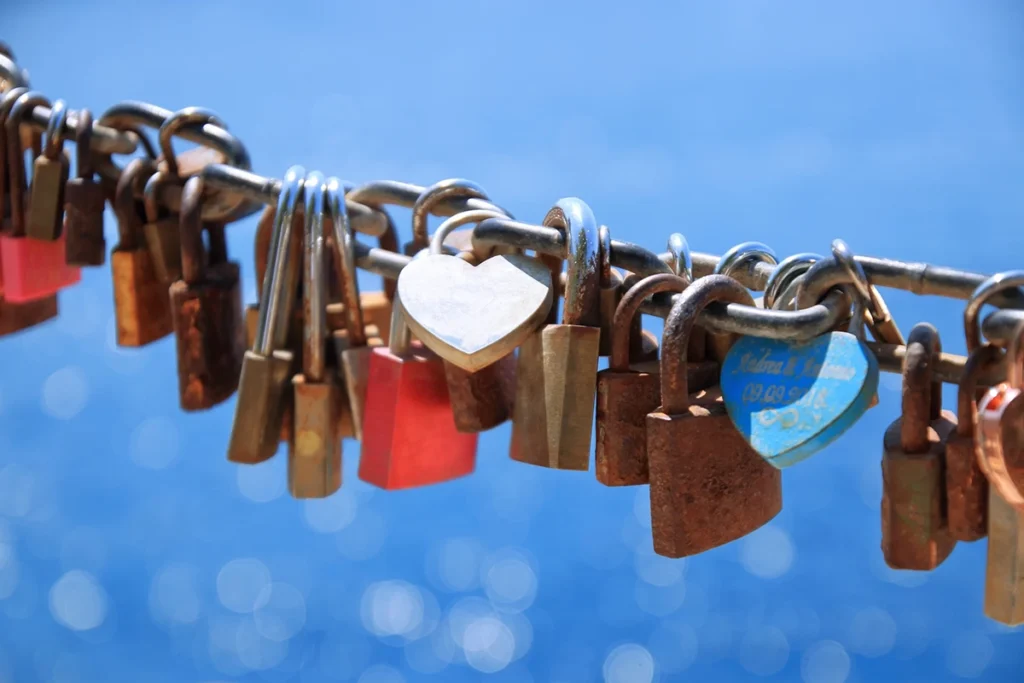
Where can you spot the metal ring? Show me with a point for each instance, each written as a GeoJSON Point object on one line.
{"type": "Point", "coordinates": [314, 300]}
{"type": "Point", "coordinates": [745, 254]}
{"type": "Point", "coordinates": [457, 221]}
{"type": "Point", "coordinates": [604, 251]}
{"type": "Point", "coordinates": [55, 127]}
{"type": "Point", "coordinates": [843, 255]}
{"type": "Point", "coordinates": [787, 270]}
{"type": "Point", "coordinates": [344, 244]}
{"type": "Point", "coordinates": [439, 191]}
{"type": "Point", "coordinates": [680, 259]}
{"type": "Point", "coordinates": [175, 122]}
{"type": "Point", "coordinates": [997, 283]}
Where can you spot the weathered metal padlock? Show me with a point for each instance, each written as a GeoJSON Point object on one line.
{"type": "Point", "coordinates": [206, 307]}
{"type": "Point", "coordinates": [556, 374]}
{"type": "Point", "coordinates": [627, 392]}
{"type": "Point", "coordinates": [611, 283]}
{"type": "Point", "coordinates": [49, 175]}
{"type": "Point", "coordinates": [915, 533]}
{"type": "Point", "coordinates": [84, 201]}
{"type": "Point", "coordinates": [268, 367]}
{"type": "Point", "coordinates": [409, 435]}
{"type": "Point", "coordinates": [32, 269]}
{"type": "Point", "coordinates": [141, 305]}
{"type": "Point", "coordinates": [319, 403]}
{"type": "Point", "coordinates": [161, 231]}
{"type": "Point", "coordinates": [743, 255]}
{"type": "Point", "coordinates": [708, 486]}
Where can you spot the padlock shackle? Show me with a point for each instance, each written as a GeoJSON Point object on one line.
{"type": "Point", "coordinates": [785, 274]}
{"type": "Point", "coordinates": [7, 101]}
{"type": "Point", "coordinates": [680, 260]}
{"type": "Point", "coordinates": [922, 393]}
{"type": "Point", "coordinates": [334, 196]}
{"type": "Point", "coordinates": [432, 196]}
{"type": "Point", "coordinates": [400, 336]}
{"type": "Point", "coordinates": [314, 282]}
{"type": "Point", "coordinates": [681, 321]}
{"type": "Point", "coordinates": [150, 194]}
{"type": "Point", "coordinates": [190, 226]}
{"type": "Point", "coordinates": [986, 290]}
{"type": "Point", "coordinates": [129, 223]}
{"type": "Point", "coordinates": [84, 163]}
{"type": "Point", "coordinates": [745, 255]}
{"type": "Point", "coordinates": [629, 308]}
{"type": "Point", "coordinates": [277, 293]}
{"type": "Point", "coordinates": [604, 252]}
{"type": "Point", "coordinates": [457, 221]}
{"type": "Point", "coordinates": [582, 285]}
{"type": "Point", "coordinates": [56, 127]}
{"type": "Point", "coordinates": [177, 121]}
{"type": "Point", "coordinates": [18, 182]}
{"type": "Point", "coordinates": [978, 361]}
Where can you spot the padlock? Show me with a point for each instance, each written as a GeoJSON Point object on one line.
{"type": "Point", "coordinates": [409, 435]}
{"type": "Point", "coordinates": [915, 532]}
{"type": "Point", "coordinates": [206, 307]}
{"type": "Point", "coordinates": [556, 373]}
{"type": "Point", "coordinates": [708, 486]}
{"type": "Point", "coordinates": [49, 175]}
{"type": "Point", "coordinates": [611, 292]}
{"type": "Point", "coordinates": [267, 368]}
{"type": "Point", "coordinates": [743, 255]}
{"type": "Point", "coordinates": [141, 305]}
{"type": "Point", "coordinates": [32, 269]}
{"type": "Point", "coordinates": [353, 345]}
{"type": "Point", "coordinates": [314, 455]}
{"type": "Point", "coordinates": [627, 392]}
{"type": "Point", "coordinates": [161, 231]}
{"type": "Point", "coordinates": [18, 317]}
{"type": "Point", "coordinates": [966, 485]}
{"type": "Point", "coordinates": [84, 200]}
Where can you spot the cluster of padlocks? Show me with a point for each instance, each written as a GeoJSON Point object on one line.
{"type": "Point", "coordinates": [507, 321]}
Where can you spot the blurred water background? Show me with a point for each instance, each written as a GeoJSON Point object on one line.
{"type": "Point", "coordinates": [130, 550]}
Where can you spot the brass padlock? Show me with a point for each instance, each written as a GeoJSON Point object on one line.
{"type": "Point", "coordinates": [49, 175]}
{"type": "Point", "coordinates": [743, 255]}
{"type": "Point", "coordinates": [84, 201]}
{"type": "Point", "coordinates": [915, 533]}
{"type": "Point", "coordinates": [141, 305]}
{"type": "Point", "coordinates": [314, 454]}
{"type": "Point", "coordinates": [708, 486]}
{"type": "Point", "coordinates": [627, 392]}
{"type": "Point", "coordinates": [206, 307]}
{"type": "Point", "coordinates": [268, 367]}
{"type": "Point", "coordinates": [556, 373]}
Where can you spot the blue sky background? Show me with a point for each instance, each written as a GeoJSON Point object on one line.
{"type": "Point", "coordinates": [131, 550]}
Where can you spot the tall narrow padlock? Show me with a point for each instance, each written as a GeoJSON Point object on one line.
{"type": "Point", "coordinates": [353, 345]}
{"type": "Point", "coordinates": [32, 269]}
{"type": "Point", "coordinates": [627, 392]}
{"type": "Point", "coordinates": [743, 255]}
{"type": "Point", "coordinates": [161, 231]}
{"type": "Point", "coordinates": [141, 306]}
{"type": "Point", "coordinates": [314, 456]}
{"type": "Point", "coordinates": [915, 532]}
{"type": "Point", "coordinates": [268, 367]}
{"type": "Point", "coordinates": [49, 175]}
{"type": "Point", "coordinates": [556, 374]}
{"type": "Point", "coordinates": [84, 200]}
{"type": "Point", "coordinates": [409, 435]}
{"type": "Point", "coordinates": [206, 307]}
{"type": "Point", "coordinates": [708, 486]}
{"type": "Point", "coordinates": [966, 486]}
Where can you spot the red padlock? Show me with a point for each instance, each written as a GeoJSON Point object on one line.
{"type": "Point", "coordinates": [409, 435]}
{"type": "Point", "coordinates": [32, 269]}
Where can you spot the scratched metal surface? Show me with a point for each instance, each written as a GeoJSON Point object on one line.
{"type": "Point", "coordinates": [130, 550]}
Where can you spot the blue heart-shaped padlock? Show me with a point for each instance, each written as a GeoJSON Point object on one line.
{"type": "Point", "coordinates": [791, 399]}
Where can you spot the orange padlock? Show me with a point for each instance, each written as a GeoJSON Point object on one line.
{"type": "Point", "coordinates": [32, 269]}
{"type": "Point", "coordinates": [409, 434]}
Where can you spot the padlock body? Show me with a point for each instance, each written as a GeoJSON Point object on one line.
{"type": "Point", "coordinates": [409, 435]}
{"type": "Point", "coordinates": [314, 459]}
{"type": "Point", "coordinates": [915, 534]}
{"type": "Point", "coordinates": [46, 203]}
{"type": "Point", "coordinates": [482, 400]}
{"type": "Point", "coordinates": [207, 320]}
{"type": "Point", "coordinates": [34, 269]}
{"type": "Point", "coordinates": [377, 311]}
{"type": "Point", "coordinates": [141, 304]}
{"type": "Point", "coordinates": [84, 243]}
{"type": "Point", "coordinates": [164, 243]}
{"type": "Point", "coordinates": [624, 398]}
{"type": "Point", "coordinates": [708, 486]}
{"type": "Point", "coordinates": [18, 317]}
{"type": "Point", "coordinates": [353, 365]}
{"type": "Point", "coordinates": [556, 378]}
{"type": "Point", "coordinates": [256, 431]}
{"type": "Point", "coordinates": [1004, 571]}
{"type": "Point", "coordinates": [966, 490]}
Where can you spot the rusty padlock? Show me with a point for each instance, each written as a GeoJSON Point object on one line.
{"type": "Point", "coordinates": [141, 305]}
{"type": "Point", "coordinates": [84, 201]}
{"type": "Point", "coordinates": [743, 255]}
{"type": "Point", "coordinates": [708, 486]}
{"type": "Point", "coordinates": [49, 175]}
{"type": "Point", "coordinates": [915, 532]}
{"type": "Point", "coordinates": [627, 392]}
{"type": "Point", "coordinates": [319, 403]}
{"type": "Point", "coordinates": [268, 367]}
{"type": "Point", "coordinates": [556, 374]}
{"type": "Point", "coordinates": [206, 309]}
{"type": "Point", "coordinates": [160, 232]}
{"type": "Point", "coordinates": [409, 435]}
